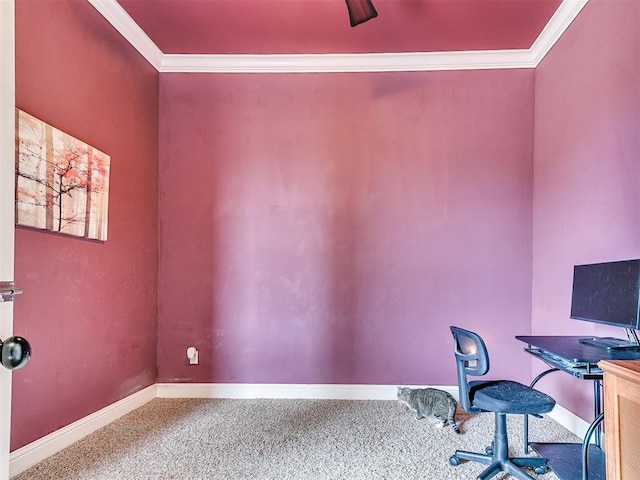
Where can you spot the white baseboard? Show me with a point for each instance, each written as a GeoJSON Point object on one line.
{"type": "Point", "coordinates": [569, 420]}
{"type": "Point", "coordinates": [29, 455]}
{"type": "Point", "coordinates": [268, 390]}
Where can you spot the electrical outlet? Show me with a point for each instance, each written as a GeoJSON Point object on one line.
{"type": "Point", "coordinates": [192, 355]}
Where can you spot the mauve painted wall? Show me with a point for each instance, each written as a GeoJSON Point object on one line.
{"type": "Point", "coordinates": [328, 228]}
{"type": "Point", "coordinates": [586, 171]}
{"type": "Point", "coordinates": [89, 308]}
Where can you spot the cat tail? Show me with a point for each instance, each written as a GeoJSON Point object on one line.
{"type": "Point", "coordinates": [455, 427]}
{"type": "Point", "coordinates": [452, 420]}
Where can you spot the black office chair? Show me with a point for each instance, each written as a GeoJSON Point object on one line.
{"type": "Point", "coordinates": [501, 397]}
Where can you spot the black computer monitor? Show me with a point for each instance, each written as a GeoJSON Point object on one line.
{"type": "Point", "coordinates": [607, 293]}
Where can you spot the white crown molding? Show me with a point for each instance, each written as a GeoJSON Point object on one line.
{"type": "Point", "coordinates": [325, 63]}
{"type": "Point", "coordinates": [363, 62]}
{"type": "Point", "coordinates": [130, 30]}
{"type": "Point", "coordinates": [559, 22]}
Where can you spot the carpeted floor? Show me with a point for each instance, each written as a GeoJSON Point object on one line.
{"type": "Point", "coordinates": [211, 439]}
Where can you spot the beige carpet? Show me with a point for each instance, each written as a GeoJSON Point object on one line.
{"type": "Point", "coordinates": [281, 439]}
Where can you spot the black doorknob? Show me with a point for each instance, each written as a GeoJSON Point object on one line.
{"type": "Point", "coordinates": [15, 352]}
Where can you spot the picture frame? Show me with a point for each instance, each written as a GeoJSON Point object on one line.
{"type": "Point", "coordinates": [62, 183]}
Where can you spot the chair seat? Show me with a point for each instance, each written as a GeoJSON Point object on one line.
{"type": "Point", "coordinates": [505, 396]}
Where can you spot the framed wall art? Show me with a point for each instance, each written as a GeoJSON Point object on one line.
{"type": "Point", "coordinates": [62, 184]}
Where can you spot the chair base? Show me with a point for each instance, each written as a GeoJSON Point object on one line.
{"type": "Point", "coordinates": [498, 458]}
{"type": "Point", "coordinates": [513, 466]}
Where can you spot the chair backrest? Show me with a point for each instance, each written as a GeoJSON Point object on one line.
{"type": "Point", "coordinates": [472, 358]}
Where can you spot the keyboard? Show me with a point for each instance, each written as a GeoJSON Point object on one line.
{"type": "Point", "coordinates": [609, 343]}
{"type": "Point", "coordinates": [558, 360]}
{"type": "Point", "coordinates": [576, 368]}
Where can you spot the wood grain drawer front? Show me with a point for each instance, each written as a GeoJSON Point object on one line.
{"type": "Point", "coordinates": [629, 412]}
{"type": "Point", "coordinates": [622, 419]}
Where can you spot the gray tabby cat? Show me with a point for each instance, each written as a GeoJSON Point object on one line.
{"type": "Point", "coordinates": [430, 402]}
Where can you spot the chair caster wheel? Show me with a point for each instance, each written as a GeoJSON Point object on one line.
{"type": "Point", "coordinates": [453, 460]}
{"type": "Point", "coordinates": [541, 470]}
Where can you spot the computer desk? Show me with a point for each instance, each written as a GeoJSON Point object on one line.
{"type": "Point", "coordinates": [566, 354]}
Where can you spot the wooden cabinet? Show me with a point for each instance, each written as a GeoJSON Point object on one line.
{"type": "Point", "coordinates": [622, 418]}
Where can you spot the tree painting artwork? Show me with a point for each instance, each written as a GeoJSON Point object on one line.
{"type": "Point", "coordinates": [62, 184]}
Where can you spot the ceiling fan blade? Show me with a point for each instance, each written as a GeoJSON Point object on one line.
{"type": "Point", "coordinates": [360, 11]}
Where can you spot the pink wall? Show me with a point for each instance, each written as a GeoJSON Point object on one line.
{"type": "Point", "coordinates": [328, 228]}
{"type": "Point", "coordinates": [89, 308]}
{"type": "Point", "coordinates": [319, 228]}
{"type": "Point", "coordinates": [586, 170]}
